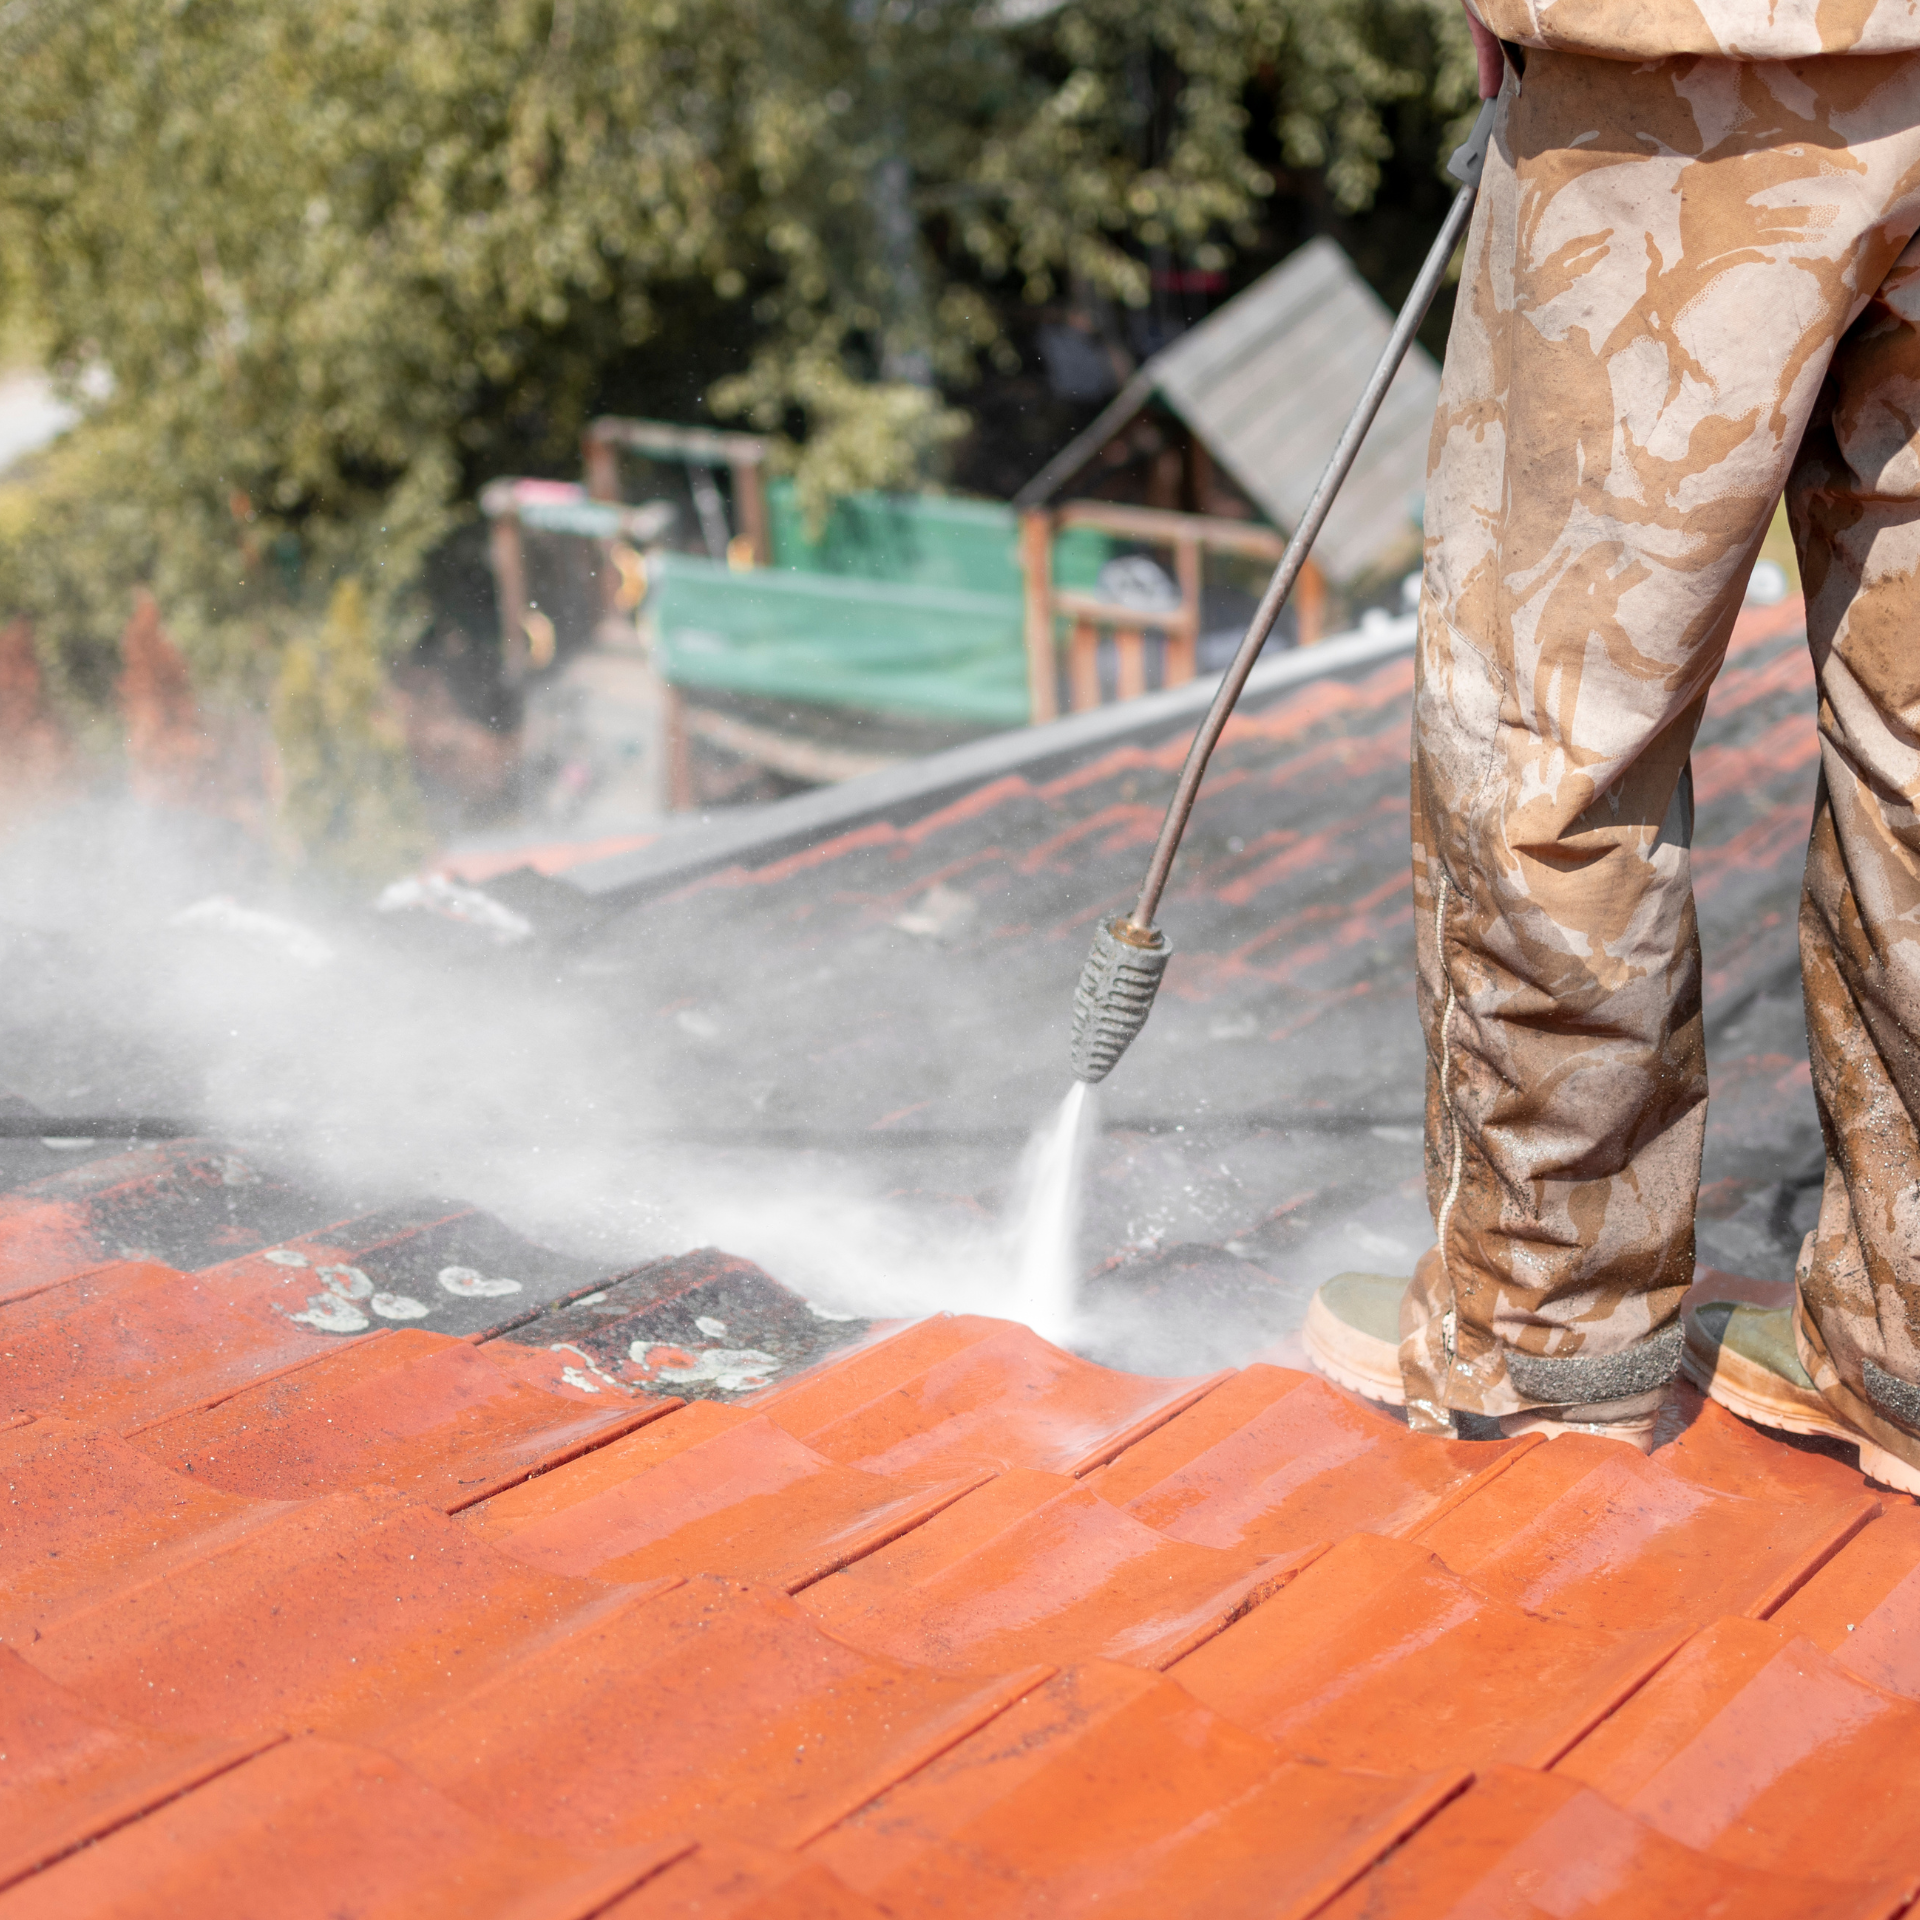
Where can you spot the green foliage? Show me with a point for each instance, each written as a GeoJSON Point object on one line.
{"type": "Point", "coordinates": [342, 258]}
{"type": "Point", "coordinates": [346, 804]}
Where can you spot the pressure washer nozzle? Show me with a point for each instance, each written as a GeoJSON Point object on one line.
{"type": "Point", "coordinates": [1115, 994]}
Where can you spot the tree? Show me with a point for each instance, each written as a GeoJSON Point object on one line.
{"type": "Point", "coordinates": [335, 261]}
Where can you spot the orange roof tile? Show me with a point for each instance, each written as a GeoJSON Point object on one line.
{"type": "Point", "coordinates": [306, 1617]}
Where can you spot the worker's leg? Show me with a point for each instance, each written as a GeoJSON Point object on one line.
{"type": "Point", "coordinates": [1855, 501]}
{"type": "Point", "coordinates": [1661, 264]}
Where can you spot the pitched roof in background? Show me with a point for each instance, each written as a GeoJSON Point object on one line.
{"type": "Point", "coordinates": [660, 1594]}
{"type": "Point", "coordinates": [1267, 383]}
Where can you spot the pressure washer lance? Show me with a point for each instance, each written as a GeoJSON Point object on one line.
{"type": "Point", "coordinates": [1122, 974]}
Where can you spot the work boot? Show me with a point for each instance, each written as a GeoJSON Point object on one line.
{"type": "Point", "coordinates": [1353, 1336]}
{"type": "Point", "coordinates": [1740, 1351]}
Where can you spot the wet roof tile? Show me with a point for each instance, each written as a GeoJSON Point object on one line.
{"type": "Point", "coordinates": [69, 1773]}
{"type": "Point", "coordinates": [714, 1709]}
{"type": "Point", "coordinates": [716, 1490]}
{"type": "Point", "coordinates": [735, 1882]}
{"type": "Point", "coordinates": [313, 1829]}
{"type": "Point", "coordinates": [1275, 1460]}
{"type": "Point", "coordinates": [335, 1615]}
{"type": "Point", "coordinates": [454, 1615]}
{"type": "Point", "coordinates": [1753, 1745]}
{"type": "Point", "coordinates": [1533, 1843]}
{"type": "Point", "coordinates": [1115, 1791]}
{"type": "Point", "coordinates": [959, 1391]}
{"type": "Point", "coordinates": [1863, 1606]}
{"type": "Point", "coordinates": [1587, 1531]}
{"type": "Point", "coordinates": [1378, 1638]}
{"type": "Point", "coordinates": [1034, 1566]}
{"type": "Point", "coordinates": [422, 1413]}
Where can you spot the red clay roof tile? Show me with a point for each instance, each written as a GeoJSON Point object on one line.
{"type": "Point", "coordinates": [1587, 1531]}
{"type": "Point", "coordinates": [713, 1709]}
{"type": "Point", "coordinates": [1534, 1843]}
{"type": "Point", "coordinates": [1113, 1791]}
{"type": "Point", "coordinates": [1034, 1566]}
{"type": "Point", "coordinates": [1275, 1460]}
{"type": "Point", "coordinates": [335, 1616]}
{"type": "Point", "coordinates": [957, 1392]}
{"type": "Point", "coordinates": [1378, 1651]}
{"type": "Point", "coordinates": [69, 1773]}
{"type": "Point", "coordinates": [1863, 1605]}
{"type": "Point", "coordinates": [713, 1490]}
{"type": "Point", "coordinates": [425, 1414]}
{"type": "Point", "coordinates": [1751, 1744]}
{"type": "Point", "coordinates": [314, 1829]}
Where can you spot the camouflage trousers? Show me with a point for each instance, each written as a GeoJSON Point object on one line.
{"type": "Point", "coordinates": [1688, 285]}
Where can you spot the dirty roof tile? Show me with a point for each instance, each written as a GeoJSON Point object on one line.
{"type": "Point", "coordinates": [957, 1390]}
{"type": "Point", "coordinates": [128, 1344]}
{"type": "Point", "coordinates": [338, 1615]}
{"type": "Point", "coordinates": [1590, 1532]}
{"type": "Point", "coordinates": [1753, 1745]}
{"type": "Point", "coordinates": [713, 1490]}
{"type": "Point", "coordinates": [1377, 1638]}
{"type": "Point", "coordinates": [1274, 1459]}
{"type": "Point", "coordinates": [315, 1829]}
{"type": "Point", "coordinates": [1114, 1791]}
{"type": "Point", "coordinates": [418, 1412]}
{"type": "Point", "coordinates": [1534, 1843]}
{"type": "Point", "coordinates": [1035, 1566]}
{"type": "Point", "coordinates": [69, 1773]}
{"type": "Point", "coordinates": [713, 1709]}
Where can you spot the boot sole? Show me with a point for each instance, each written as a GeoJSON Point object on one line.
{"type": "Point", "coordinates": [1758, 1394]}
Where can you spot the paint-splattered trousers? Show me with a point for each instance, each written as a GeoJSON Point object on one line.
{"type": "Point", "coordinates": [1688, 285]}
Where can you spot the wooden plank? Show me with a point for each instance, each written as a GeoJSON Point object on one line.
{"type": "Point", "coordinates": [1310, 604]}
{"type": "Point", "coordinates": [1083, 665]}
{"type": "Point", "coordinates": [701, 444]}
{"type": "Point", "coordinates": [1154, 524]}
{"type": "Point", "coordinates": [1130, 647]}
{"type": "Point", "coordinates": [1036, 570]}
{"type": "Point", "coordinates": [1106, 613]}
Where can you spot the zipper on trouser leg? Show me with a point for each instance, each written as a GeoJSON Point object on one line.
{"type": "Point", "coordinates": [1422, 1413]}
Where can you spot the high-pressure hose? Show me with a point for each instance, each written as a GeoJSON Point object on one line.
{"type": "Point", "coordinates": [1122, 973]}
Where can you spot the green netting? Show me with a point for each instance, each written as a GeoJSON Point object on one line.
{"type": "Point", "coordinates": [924, 540]}
{"type": "Point", "coordinates": [907, 603]}
{"type": "Point", "coordinates": [840, 641]}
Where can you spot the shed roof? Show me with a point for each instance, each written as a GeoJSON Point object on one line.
{"type": "Point", "coordinates": [1267, 384]}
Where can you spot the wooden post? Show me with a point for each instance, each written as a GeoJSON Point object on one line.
{"type": "Point", "coordinates": [510, 590]}
{"type": "Point", "coordinates": [678, 747]}
{"type": "Point", "coordinates": [601, 458]}
{"type": "Point", "coordinates": [1309, 604]}
{"type": "Point", "coordinates": [750, 508]}
{"type": "Point", "coordinates": [1130, 678]}
{"type": "Point", "coordinates": [1181, 641]}
{"type": "Point", "coordinates": [1036, 568]}
{"type": "Point", "coordinates": [1083, 665]}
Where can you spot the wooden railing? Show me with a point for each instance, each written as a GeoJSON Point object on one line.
{"type": "Point", "coordinates": [700, 450]}
{"type": "Point", "coordinates": [1090, 619]}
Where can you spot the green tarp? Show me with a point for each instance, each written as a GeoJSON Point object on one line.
{"type": "Point", "coordinates": [906, 604]}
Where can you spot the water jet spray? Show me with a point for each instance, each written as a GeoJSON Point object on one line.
{"type": "Point", "coordinates": [1122, 973]}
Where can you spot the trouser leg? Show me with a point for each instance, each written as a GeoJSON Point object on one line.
{"type": "Point", "coordinates": [1855, 502]}
{"type": "Point", "coordinates": [1661, 264]}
